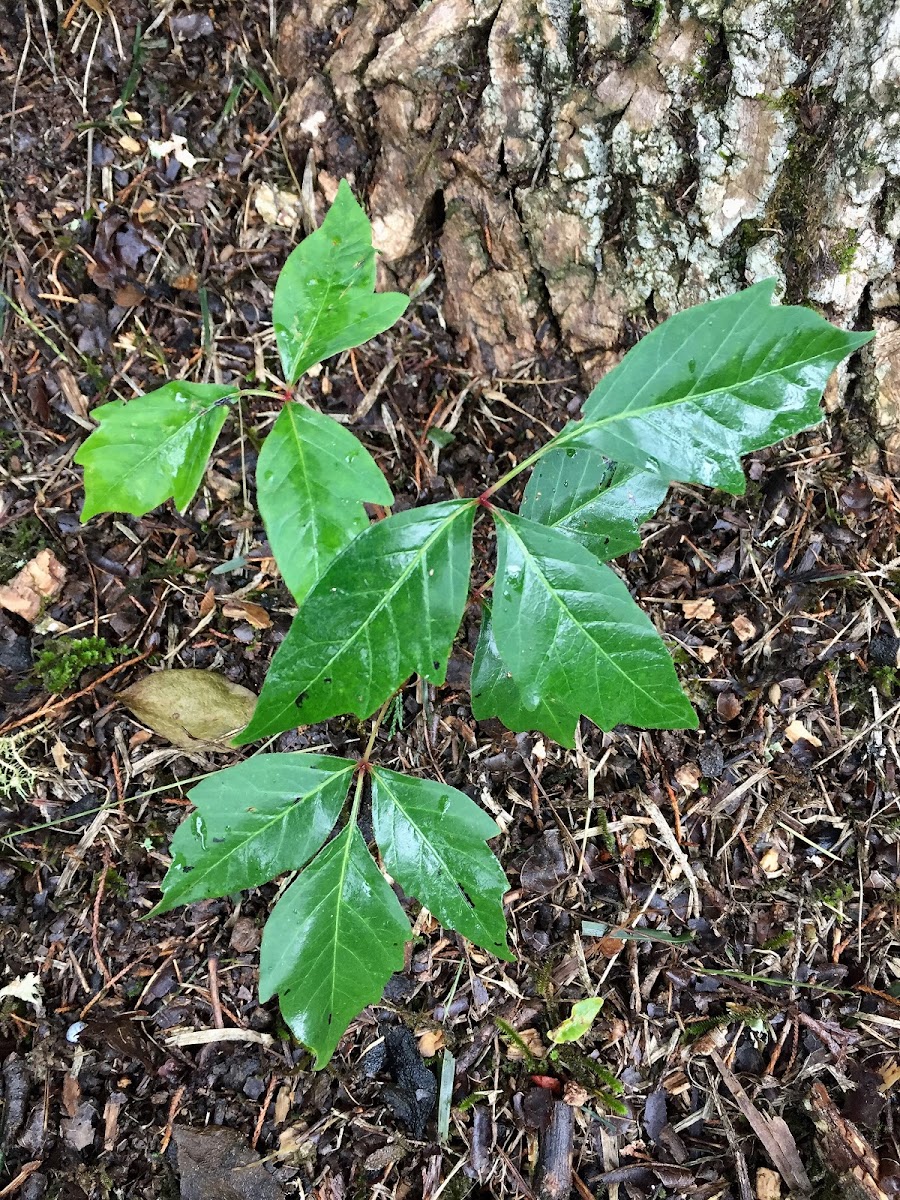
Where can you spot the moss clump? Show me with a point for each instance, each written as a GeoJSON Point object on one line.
{"type": "Point", "coordinates": [61, 662]}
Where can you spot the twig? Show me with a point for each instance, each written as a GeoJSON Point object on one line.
{"type": "Point", "coordinates": [50, 708]}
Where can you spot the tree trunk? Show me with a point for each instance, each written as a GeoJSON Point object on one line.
{"type": "Point", "coordinates": [583, 171]}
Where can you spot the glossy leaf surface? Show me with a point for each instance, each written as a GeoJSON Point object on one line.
{"type": "Point", "coordinates": [496, 694]}
{"type": "Point", "coordinates": [325, 299]}
{"type": "Point", "coordinates": [253, 822]}
{"type": "Point", "coordinates": [433, 841]}
{"type": "Point", "coordinates": [578, 1023]}
{"type": "Point", "coordinates": [311, 480]}
{"type": "Point", "coordinates": [332, 942]}
{"type": "Point", "coordinates": [387, 607]}
{"type": "Point", "coordinates": [570, 633]}
{"type": "Point", "coordinates": [712, 383]}
{"type": "Point", "coordinates": [601, 503]}
{"type": "Point", "coordinates": [151, 448]}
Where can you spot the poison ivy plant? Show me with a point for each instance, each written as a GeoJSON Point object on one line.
{"type": "Point", "coordinates": [151, 448]}
{"type": "Point", "coordinates": [561, 638]}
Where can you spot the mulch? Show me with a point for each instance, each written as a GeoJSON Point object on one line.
{"type": "Point", "coordinates": [743, 876]}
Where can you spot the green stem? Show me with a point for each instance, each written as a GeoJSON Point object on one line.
{"type": "Point", "coordinates": [269, 395]}
{"type": "Point", "coordinates": [561, 439]}
{"type": "Point", "coordinates": [357, 798]}
{"type": "Point", "coordinates": [376, 725]}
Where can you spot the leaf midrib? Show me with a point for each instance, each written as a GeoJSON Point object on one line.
{"type": "Point", "coordinates": [576, 621]}
{"type": "Point", "coordinates": [580, 427]}
{"type": "Point", "coordinates": [392, 591]}
{"type": "Point", "coordinates": [280, 816]}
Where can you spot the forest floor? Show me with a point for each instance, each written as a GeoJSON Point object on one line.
{"type": "Point", "coordinates": [746, 872]}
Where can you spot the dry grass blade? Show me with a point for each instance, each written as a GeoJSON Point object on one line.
{"type": "Point", "coordinates": [773, 1132]}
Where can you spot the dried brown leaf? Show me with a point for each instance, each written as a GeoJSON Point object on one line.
{"type": "Point", "coordinates": [197, 710]}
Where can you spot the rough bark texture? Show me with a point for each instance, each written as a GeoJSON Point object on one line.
{"type": "Point", "coordinates": [586, 170]}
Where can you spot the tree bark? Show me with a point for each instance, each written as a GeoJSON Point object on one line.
{"type": "Point", "coordinates": [583, 171]}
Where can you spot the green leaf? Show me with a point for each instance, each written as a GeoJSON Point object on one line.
{"type": "Point", "coordinates": [332, 942]}
{"type": "Point", "coordinates": [566, 626]}
{"type": "Point", "coordinates": [254, 821]}
{"type": "Point", "coordinates": [325, 298]}
{"type": "Point", "coordinates": [433, 841]}
{"type": "Point", "coordinates": [311, 481]}
{"type": "Point", "coordinates": [387, 607]}
{"type": "Point", "coordinates": [712, 383]}
{"type": "Point", "coordinates": [579, 1021]}
{"type": "Point", "coordinates": [601, 503]}
{"type": "Point", "coordinates": [150, 448]}
{"type": "Point", "coordinates": [496, 694]}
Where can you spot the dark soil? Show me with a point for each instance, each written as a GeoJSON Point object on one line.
{"type": "Point", "coordinates": [771, 836]}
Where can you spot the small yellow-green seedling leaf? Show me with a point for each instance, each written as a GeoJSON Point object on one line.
{"type": "Point", "coordinates": [325, 299]}
{"type": "Point", "coordinates": [193, 709]}
{"type": "Point", "coordinates": [151, 448]}
{"type": "Point", "coordinates": [579, 1021]}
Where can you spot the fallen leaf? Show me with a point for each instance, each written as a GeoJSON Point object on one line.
{"type": "Point", "coordinates": [60, 756]}
{"type": "Point", "coordinates": [773, 1132]}
{"type": "Point", "coordinates": [533, 1045]}
{"type": "Point", "coordinates": [797, 731]}
{"type": "Point", "coordinates": [78, 1130]}
{"type": "Point", "coordinates": [768, 1184]}
{"type": "Point", "coordinates": [706, 653]}
{"type": "Point", "coordinates": [208, 603]}
{"type": "Point", "coordinates": [575, 1095]}
{"type": "Point", "coordinates": [71, 1094]}
{"type": "Point", "coordinates": [128, 295]}
{"type": "Point", "coordinates": [243, 610]}
{"type": "Point", "coordinates": [26, 988]}
{"type": "Point", "coordinates": [689, 776]}
{"type": "Point", "coordinates": [699, 610]}
{"type": "Point", "coordinates": [579, 1021]}
{"type": "Point", "coordinates": [197, 710]}
{"type": "Point", "coordinates": [38, 581]}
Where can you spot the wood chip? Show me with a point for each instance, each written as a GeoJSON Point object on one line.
{"type": "Point", "coordinates": [243, 610]}
{"type": "Point", "coordinates": [699, 610]}
{"type": "Point", "coordinates": [744, 628]}
{"type": "Point", "coordinates": [201, 1037]}
{"type": "Point", "coordinates": [430, 1042]}
{"type": "Point", "coordinates": [768, 1184]}
{"type": "Point", "coordinates": [38, 581]}
{"type": "Point", "coordinates": [797, 731]}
